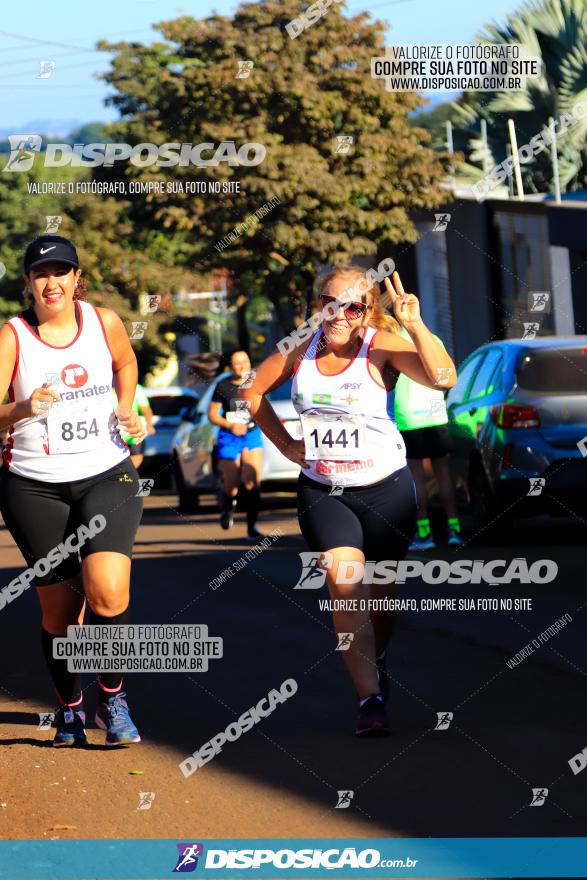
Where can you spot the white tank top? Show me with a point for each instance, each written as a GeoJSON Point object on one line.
{"type": "Point", "coordinates": [345, 421]}
{"type": "Point", "coordinates": [78, 437]}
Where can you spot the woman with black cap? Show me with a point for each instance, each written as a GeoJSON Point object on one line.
{"type": "Point", "coordinates": [66, 467]}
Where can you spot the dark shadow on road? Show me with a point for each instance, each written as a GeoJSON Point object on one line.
{"type": "Point", "coordinates": [512, 729]}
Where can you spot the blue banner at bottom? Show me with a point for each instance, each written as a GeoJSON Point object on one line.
{"type": "Point", "coordinates": [414, 857]}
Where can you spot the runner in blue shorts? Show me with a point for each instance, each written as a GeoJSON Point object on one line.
{"type": "Point", "coordinates": [240, 446]}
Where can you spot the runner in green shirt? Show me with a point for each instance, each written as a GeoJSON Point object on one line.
{"type": "Point", "coordinates": [420, 414]}
{"type": "Point", "coordinates": [142, 407]}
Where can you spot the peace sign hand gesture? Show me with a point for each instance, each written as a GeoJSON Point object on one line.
{"type": "Point", "coordinates": [406, 307]}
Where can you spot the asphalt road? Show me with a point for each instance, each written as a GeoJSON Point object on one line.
{"type": "Point", "coordinates": [512, 730]}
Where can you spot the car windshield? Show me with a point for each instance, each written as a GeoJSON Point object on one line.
{"type": "Point", "coordinates": [281, 393]}
{"type": "Point", "coordinates": [170, 404]}
{"type": "Point", "coordinates": [559, 370]}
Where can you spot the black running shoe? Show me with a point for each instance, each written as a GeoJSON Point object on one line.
{"type": "Point", "coordinates": [227, 515]}
{"type": "Point", "coordinates": [70, 724]}
{"type": "Point", "coordinates": [372, 718]}
{"type": "Point", "coordinates": [254, 535]}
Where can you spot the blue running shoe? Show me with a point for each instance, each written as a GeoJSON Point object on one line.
{"type": "Point", "coordinates": [419, 543]}
{"type": "Point", "coordinates": [454, 538]}
{"type": "Point", "coordinates": [113, 717]}
{"type": "Point", "coordinates": [70, 724]}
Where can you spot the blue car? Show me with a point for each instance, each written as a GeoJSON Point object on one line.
{"type": "Point", "coordinates": [518, 420]}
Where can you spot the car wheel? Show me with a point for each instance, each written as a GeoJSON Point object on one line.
{"type": "Point", "coordinates": [189, 499]}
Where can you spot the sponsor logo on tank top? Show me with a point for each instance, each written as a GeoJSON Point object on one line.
{"type": "Point", "coordinates": [328, 468]}
{"type": "Point", "coordinates": [351, 386]}
{"type": "Point", "coordinates": [74, 375]}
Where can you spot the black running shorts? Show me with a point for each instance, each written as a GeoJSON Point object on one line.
{"type": "Point", "coordinates": [41, 516]}
{"type": "Point", "coordinates": [378, 519]}
{"type": "Point", "coordinates": [433, 442]}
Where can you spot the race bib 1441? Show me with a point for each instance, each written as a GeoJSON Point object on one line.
{"type": "Point", "coordinates": [333, 436]}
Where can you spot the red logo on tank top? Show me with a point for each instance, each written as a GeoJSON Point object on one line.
{"type": "Point", "coordinates": [74, 376]}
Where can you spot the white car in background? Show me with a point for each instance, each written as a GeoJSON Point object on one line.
{"type": "Point", "coordinates": [167, 404]}
{"type": "Point", "coordinates": [195, 469]}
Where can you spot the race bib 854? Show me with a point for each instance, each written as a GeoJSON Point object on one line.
{"type": "Point", "coordinates": [78, 426]}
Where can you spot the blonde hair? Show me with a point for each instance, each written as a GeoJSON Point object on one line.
{"type": "Point", "coordinates": [376, 317]}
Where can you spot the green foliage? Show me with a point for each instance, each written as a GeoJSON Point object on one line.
{"type": "Point", "coordinates": [90, 133]}
{"type": "Point", "coordinates": [434, 121]}
{"type": "Point", "coordinates": [299, 96]}
{"type": "Point", "coordinates": [555, 31]}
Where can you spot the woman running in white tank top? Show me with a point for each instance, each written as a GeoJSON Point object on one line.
{"type": "Point", "coordinates": [68, 488]}
{"type": "Point", "coordinates": [356, 498]}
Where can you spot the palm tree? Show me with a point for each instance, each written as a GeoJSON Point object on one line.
{"type": "Point", "coordinates": [556, 32]}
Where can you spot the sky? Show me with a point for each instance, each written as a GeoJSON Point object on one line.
{"type": "Point", "coordinates": [66, 33]}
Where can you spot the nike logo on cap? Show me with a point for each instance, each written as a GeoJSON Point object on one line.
{"type": "Point", "coordinates": [46, 251]}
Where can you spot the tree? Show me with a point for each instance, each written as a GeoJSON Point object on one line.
{"type": "Point", "coordinates": [299, 97]}
{"type": "Point", "coordinates": [90, 133]}
{"type": "Point", "coordinates": [555, 31]}
{"type": "Point", "coordinates": [434, 121]}
{"type": "Point", "coordinates": [99, 227]}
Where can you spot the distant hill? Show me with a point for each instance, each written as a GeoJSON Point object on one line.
{"type": "Point", "coordinates": [56, 131]}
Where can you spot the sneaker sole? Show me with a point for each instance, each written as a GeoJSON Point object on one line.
{"type": "Point", "coordinates": [78, 741]}
{"type": "Point", "coordinates": [123, 742]}
{"type": "Point", "coordinates": [378, 730]}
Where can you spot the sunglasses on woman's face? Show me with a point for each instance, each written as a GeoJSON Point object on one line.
{"type": "Point", "coordinates": [352, 310]}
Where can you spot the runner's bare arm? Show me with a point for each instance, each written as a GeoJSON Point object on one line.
{"type": "Point", "coordinates": [20, 409]}
{"type": "Point", "coordinates": [125, 370]}
{"type": "Point", "coordinates": [426, 362]}
{"type": "Point", "coordinates": [273, 372]}
{"type": "Point", "coordinates": [124, 362]}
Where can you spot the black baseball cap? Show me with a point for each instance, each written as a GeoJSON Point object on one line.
{"type": "Point", "coordinates": [50, 249]}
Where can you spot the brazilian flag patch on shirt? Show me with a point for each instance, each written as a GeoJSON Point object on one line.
{"type": "Point", "coordinates": [321, 398]}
